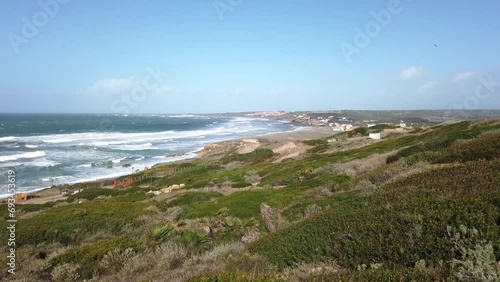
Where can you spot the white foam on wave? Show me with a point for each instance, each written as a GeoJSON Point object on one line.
{"type": "Point", "coordinates": [30, 155]}
{"type": "Point", "coordinates": [139, 147]}
{"type": "Point", "coordinates": [8, 138]}
{"type": "Point", "coordinates": [31, 146]}
{"type": "Point", "coordinates": [105, 139]}
{"type": "Point", "coordinates": [43, 162]}
{"type": "Point", "coordinates": [56, 178]}
{"type": "Point", "coordinates": [117, 161]}
{"type": "Point", "coordinates": [117, 138]}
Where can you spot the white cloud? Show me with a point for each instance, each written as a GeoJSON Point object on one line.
{"type": "Point", "coordinates": [411, 73]}
{"type": "Point", "coordinates": [113, 86]}
{"type": "Point", "coordinates": [465, 75]}
{"type": "Point", "coordinates": [426, 86]}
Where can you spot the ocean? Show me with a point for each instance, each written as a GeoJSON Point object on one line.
{"type": "Point", "coordinates": [52, 149]}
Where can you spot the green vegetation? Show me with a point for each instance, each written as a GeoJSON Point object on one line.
{"type": "Point", "coordinates": [88, 256]}
{"type": "Point", "coordinates": [365, 131]}
{"type": "Point", "coordinates": [411, 215]}
{"type": "Point", "coordinates": [69, 224]}
{"type": "Point", "coordinates": [430, 211]}
{"type": "Point", "coordinates": [163, 232]}
{"type": "Point", "coordinates": [254, 157]}
{"type": "Point", "coordinates": [443, 138]}
{"type": "Point", "coordinates": [233, 277]}
{"type": "Point", "coordinates": [320, 145]}
{"type": "Point", "coordinates": [485, 148]}
{"type": "Point", "coordinates": [189, 198]}
{"type": "Point", "coordinates": [130, 195]}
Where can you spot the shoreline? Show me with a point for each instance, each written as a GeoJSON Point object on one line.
{"type": "Point", "coordinates": [52, 193]}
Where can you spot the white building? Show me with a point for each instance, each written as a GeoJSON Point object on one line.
{"type": "Point", "coordinates": [375, 136]}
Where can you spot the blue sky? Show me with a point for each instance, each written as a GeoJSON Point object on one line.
{"type": "Point", "coordinates": [245, 55]}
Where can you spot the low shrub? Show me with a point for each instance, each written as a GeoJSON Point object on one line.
{"type": "Point", "coordinates": [484, 148]}
{"type": "Point", "coordinates": [399, 224]}
{"type": "Point", "coordinates": [88, 257]}
{"type": "Point", "coordinates": [162, 233]}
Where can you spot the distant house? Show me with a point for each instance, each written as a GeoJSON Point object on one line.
{"type": "Point", "coordinates": [65, 192]}
{"type": "Point", "coordinates": [375, 136]}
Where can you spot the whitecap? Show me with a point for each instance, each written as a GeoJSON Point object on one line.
{"type": "Point", "coordinates": [55, 178]}
{"type": "Point", "coordinates": [29, 155]}
{"type": "Point", "coordinates": [138, 147]}
{"type": "Point", "coordinates": [43, 163]}
{"type": "Point", "coordinates": [8, 138]}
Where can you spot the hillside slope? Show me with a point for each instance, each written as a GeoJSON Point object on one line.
{"type": "Point", "coordinates": [423, 205]}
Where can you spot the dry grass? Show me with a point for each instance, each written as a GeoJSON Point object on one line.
{"type": "Point", "coordinates": [171, 262]}
{"type": "Point", "coordinates": [358, 167]}
{"type": "Point", "coordinates": [305, 271]}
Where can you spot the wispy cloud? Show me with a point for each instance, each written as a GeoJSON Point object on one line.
{"type": "Point", "coordinates": [113, 86]}
{"type": "Point", "coordinates": [465, 76]}
{"type": "Point", "coordinates": [411, 73]}
{"type": "Point", "coordinates": [426, 86]}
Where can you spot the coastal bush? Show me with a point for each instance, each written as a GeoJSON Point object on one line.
{"type": "Point", "coordinates": [66, 272]}
{"type": "Point", "coordinates": [88, 257]}
{"type": "Point", "coordinates": [114, 260]}
{"type": "Point", "coordinates": [363, 131]}
{"type": "Point", "coordinates": [164, 258]}
{"type": "Point", "coordinates": [129, 194]}
{"type": "Point", "coordinates": [71, 223]}
{"type": "Point", "coordinates": [189, 198]}
{"type": "Point", "coordinates": [91, 193]}
{"type": "Point", "coordinates": [443, 137]}
{"type": "Point", "coordinates": [244, 204]}
{"type": "Point", "coordinates": [398, 224]}
{"type": "Point", "coordinates": [196, 240]}
{"type": "Point", "coordinates": [486, 148]}
{"type": "Point", "coordinates": [233, 277]}
{"type": "Point", "coordinates": [383, 274]}
{"type": "Point", "coordinates": [315, 142]}
{"type": "Point", "coordinates": [162, 233]}
{"type": "Point", "coordinates": [319, 145]}
{"type": "Point", "coordinates": [194, 177]}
